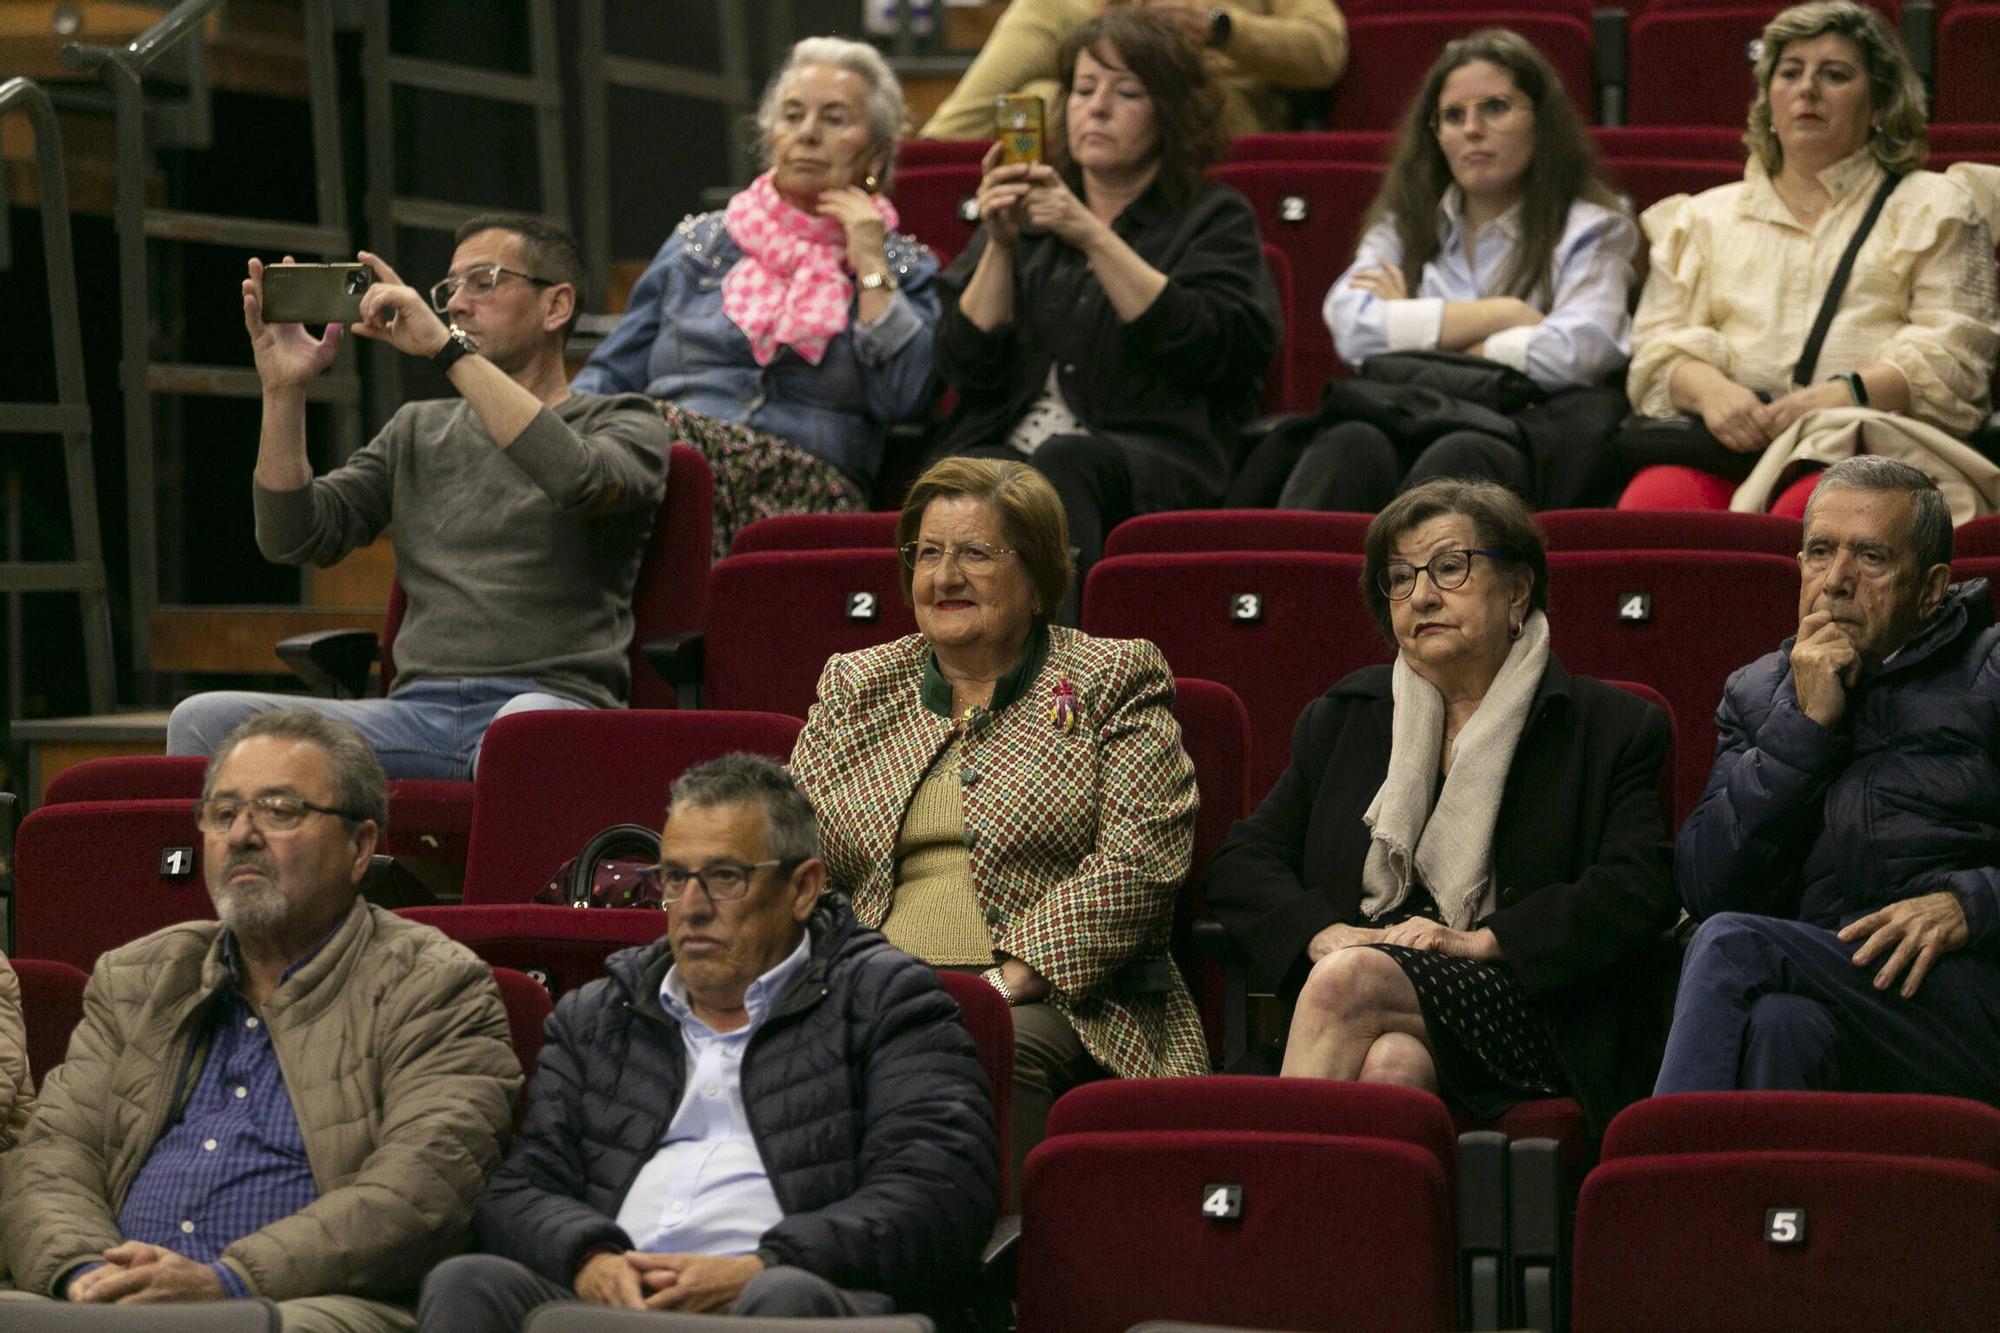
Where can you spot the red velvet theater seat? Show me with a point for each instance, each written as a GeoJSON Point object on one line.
{"type": "Point", "coordinates": [92, 875]}
{"type": "Point", "coordinates": [1239, 1201]}
{"type": "Point", "coordinates": [1689, 60]}
{"type": "Point", "coordinates": [934, 202]}
{"type": "Point", "coordinates": [1755, 1211]}
{"type": "Point", "coordinates": [1968, 37]}
{"type": "Point", "coordinates": [528, 1008]}
{"type": "Point", "coordinates": [991, 1022]}
{"type": "Point", "coordinates": [1679, 621]}
{"type": "Point", "coordinates": [1669, 530]}
{"type": "Point", "coordinates": [1215, 732]}
{"type": "Point", "coordinates": [1278, 628]}
{"type": "Point", "coordinates": [817, 532]}
{"type": "Point", "coordinates": [1184, 530]}
{"type": "Point", "coordinates": [51, 1007]}
{"type": "Point", "coordinates": [548, 782]}
{"type": "Point", "coordinates": [1395, 41]}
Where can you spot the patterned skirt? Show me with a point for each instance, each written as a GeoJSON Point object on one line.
{"type": "Point", "coordinates": [1492, 1050]}
{"type": "Point", "coordinates": [758, 475]}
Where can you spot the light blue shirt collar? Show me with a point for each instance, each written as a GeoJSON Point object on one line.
{"type": "Point", "coordinates": [1451, 218]}
{"type": "Point", "coordinates": [757, 997]}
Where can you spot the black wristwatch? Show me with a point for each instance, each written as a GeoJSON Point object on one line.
{"type": "Point", "coordinates": [458, 343]}
{"type": "Point", "coordinates": [1219, 27]}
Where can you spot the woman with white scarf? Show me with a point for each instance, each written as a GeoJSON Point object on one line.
{"type": "Point", "coordinates": [786, 332]}
{"type": "Point", "coordinates": [1458, 876]}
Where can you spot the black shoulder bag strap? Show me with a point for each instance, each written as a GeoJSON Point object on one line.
{"type": "Point", "coordinates": [1809, 358]}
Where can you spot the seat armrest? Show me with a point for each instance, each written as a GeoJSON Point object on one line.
{"type": "Point", "coordinates": [678, 659]}
{"type": "Point", "coordinates": [1484, 1257]}
{"type": "Point", "coordinates": [332, 662]}
{"type": "Point", "coordinates": [1535, 1215]}
{"type": "Point", "coordinates": [1221, 948]}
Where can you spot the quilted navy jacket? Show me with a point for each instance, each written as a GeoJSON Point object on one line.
{"type": "Point", "coordinates": [1901, 798]}
{"type": "Point", "coordinates": [864, 1091]}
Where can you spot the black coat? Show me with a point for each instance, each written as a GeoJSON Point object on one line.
{"type": "Point", "coordinates": [864, 1091]}
{"type": "Point", "coordinates": [1171, 388]}
{"type": "Point", "coordinates": [1581, 863]}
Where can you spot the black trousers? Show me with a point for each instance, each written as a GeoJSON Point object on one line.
{"type": "Point", "coordinates": [484, 1293]}
{"type": "Point", "coordinates": [1353, 467]}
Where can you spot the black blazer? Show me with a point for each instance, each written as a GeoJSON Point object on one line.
{"type": "Point", "coordinates": [1582, 863]}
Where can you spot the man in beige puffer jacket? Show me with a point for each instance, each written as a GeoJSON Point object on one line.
{"type": "Point", "coordinates": [17, 1084]}
{"type": "Point", "coordinates": [301, 1102]}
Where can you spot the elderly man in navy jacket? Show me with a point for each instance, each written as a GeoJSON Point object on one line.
{"type": "Point", "coordinates": [1843, 857]}
{"type": "Point", "coordinates": [771, 1111]}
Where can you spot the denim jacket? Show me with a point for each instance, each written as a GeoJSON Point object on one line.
{"type": "Point", "coordinates": [676, 343]}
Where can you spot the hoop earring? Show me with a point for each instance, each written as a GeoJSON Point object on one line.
{"type": "Point", "coordinates": [871, 183]}
{"type": "Point", "coordinates": [1514, 630]}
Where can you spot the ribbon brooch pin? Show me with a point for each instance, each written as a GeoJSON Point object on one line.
{"type": "Point", "coordinates": [1062, 711]}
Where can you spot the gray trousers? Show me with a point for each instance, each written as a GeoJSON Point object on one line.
{"type": "Point", "coordinates": [484, 1293]}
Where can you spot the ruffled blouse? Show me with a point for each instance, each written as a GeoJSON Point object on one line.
{"type": "Point", "coordinates": [1737, 282]}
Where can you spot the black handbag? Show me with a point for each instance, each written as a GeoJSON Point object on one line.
{"type": "Point", "coordinates": [1686, 441]}
{"type": "Point", "coordinates": [1472, 379]}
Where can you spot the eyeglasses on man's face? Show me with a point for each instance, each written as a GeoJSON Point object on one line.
{"type": "Point", "coordinates": [268, 814]}
{"type": "Point", "coordinates": [973, 557]}
{"type": "Point", "coordinates": [723, 882]}
{"type": "Point", "coordinates": [1448, 570]}
{"type": "Point", "coordinates": [479, 281]}
{"type": "Point", "coordinates": [1493, 112]}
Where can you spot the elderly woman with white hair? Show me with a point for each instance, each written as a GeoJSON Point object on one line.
{"type": "Point", "coordinates": [784, 333]}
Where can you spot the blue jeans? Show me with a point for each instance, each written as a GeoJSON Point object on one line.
{"type": "Point", "coordinates": [426, 729]}
{"type": "Point", "coordinates": [1775, 1004]}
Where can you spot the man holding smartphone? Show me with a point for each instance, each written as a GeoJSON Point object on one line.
{"type": "Point", "coordinates": [519, 510]}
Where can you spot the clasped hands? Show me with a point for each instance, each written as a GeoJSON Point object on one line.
{"type": "Point", "coordinates": [1418, 933]}
{"type": "Point", "coordinates": [1745, 423]}
{"type": "Point", "coordinates": [636, 1280]}
{"type": "Point", "coordinates": [136, 1273]}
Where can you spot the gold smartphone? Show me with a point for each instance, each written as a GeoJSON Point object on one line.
{"type": "Point", "coordinates": [315, 293]}
{"type": "Point", "coordinates": [1017, 124]}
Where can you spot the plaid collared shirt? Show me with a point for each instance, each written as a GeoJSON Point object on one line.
{"type": "Point", "coordinates": [233, 1161]}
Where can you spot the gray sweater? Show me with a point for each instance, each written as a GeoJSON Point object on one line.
{"type": "Point", "coordinates": [516, 561]}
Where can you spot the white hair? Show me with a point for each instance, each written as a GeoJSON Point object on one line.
{"type": "Point", "coordinates": [885, 95]}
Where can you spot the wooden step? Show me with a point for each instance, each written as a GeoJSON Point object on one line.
{"type": "Point", "coordinates": [242, 639]}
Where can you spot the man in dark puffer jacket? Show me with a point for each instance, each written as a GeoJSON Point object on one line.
{"type": "Point", "coordinates": [1844, 853]}
{"type": "Point", "coordinates": [771, 1111]}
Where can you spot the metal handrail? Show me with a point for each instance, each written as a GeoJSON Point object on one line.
{"type": "Point", "coordinates": [139, 54]}
{"type": "Point", "coordinates": [69, 415]}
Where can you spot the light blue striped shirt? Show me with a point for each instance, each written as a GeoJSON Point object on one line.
{"type": "Point", "coordinates": [1587, 332]}
{"type": "Point", "coordinates": [706, 1190]}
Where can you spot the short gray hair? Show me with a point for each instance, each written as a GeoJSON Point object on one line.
{"type": "Point", "coordinates": [360, 788]}
{"type": "Point", "coordinates": [791, 831]}
{"type": "Point", "coordinates": [1930, 516]}
{"type": "Point", "coordinates": [885, 95]}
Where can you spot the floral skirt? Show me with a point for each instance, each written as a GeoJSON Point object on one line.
{"type": "Point", "coordinates": [1492, 1050]}
{"type": "Point", "coordinates": [758, 475]}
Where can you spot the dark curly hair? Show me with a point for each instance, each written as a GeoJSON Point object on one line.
{"type": "Point", "coordinates": [1187, 106]}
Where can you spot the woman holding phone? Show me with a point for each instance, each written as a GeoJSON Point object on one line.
{"type": "Point", "coordinates": [1112, 320]}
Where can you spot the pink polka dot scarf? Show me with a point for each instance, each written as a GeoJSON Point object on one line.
{"type": "Point", "coordinates": [791, 287]}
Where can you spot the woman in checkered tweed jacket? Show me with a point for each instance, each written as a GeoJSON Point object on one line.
{"type": "Point", "coordinates": [1000, 795]}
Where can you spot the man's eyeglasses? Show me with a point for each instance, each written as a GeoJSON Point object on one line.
{"type": "Point", "coordinates": [1492, 111]}
{"type": "Point", "coordinates": [1448, 570]}
{"type": "Point", "coordinates": [724, 881]}
{"type": "Point", "coordinates": [479, 281]}
{"type": "Point", "coordinates": [268, 814]}
{"type": "Point", "coordinates": [972, 557]}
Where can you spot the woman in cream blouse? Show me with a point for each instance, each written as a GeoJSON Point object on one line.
{"type": "Point", "coordinates": [1739, 272]}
